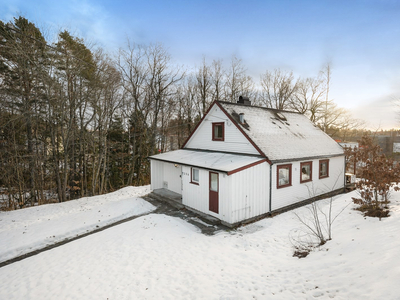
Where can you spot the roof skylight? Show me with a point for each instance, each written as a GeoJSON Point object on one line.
{"type": "Point", "coordinates": [280, 116]}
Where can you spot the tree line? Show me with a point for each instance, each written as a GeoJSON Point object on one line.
{"type": "Point", "coordinates": [76, 121]}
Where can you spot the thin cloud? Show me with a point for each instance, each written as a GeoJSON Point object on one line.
{"type": "Point", "coordinates": [380, 114]}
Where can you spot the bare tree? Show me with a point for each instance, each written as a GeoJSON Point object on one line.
{"type": "Point", "coordinates": [189, 103]}
{"type": "Point", "coordinates": [217, 79]}
{"type": "Point", "coordinates": [330, 111]}
{"type": "Point", "coordinates": [203, 77]}
{"type": "Point", "coordinates": [308, 98]}
{"type": "Point", "coordinates": [278, 89]}
{"type": "Point", "coordinates": [344, 125]}
{"type": "Point", "coordinates": [317, 222]}
{"type": "Point", "coordinates": [105, 103]}
{"type": "Point", "coordinates": [237, 82]}
{"type": "Point", "coordinates": [162, 76]}
{"type": "Point", "coordinates": [132, 65]}
{"type": "Point", "coordinates": [312, 99]}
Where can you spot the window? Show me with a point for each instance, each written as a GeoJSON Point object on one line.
{"type": "Point", "coordinates": [284, 176]}
{"type": "Point", "coordinates": [305, 171]}
{"type": "Point", "coordinates": [218, 131]}
{"type": "Point", "coordinates": [194, 176]}
{"type": "Point", "coordinates": [324, 168]}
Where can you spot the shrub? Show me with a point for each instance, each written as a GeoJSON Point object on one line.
{"type": "Point", "coordinates": [378, 175]}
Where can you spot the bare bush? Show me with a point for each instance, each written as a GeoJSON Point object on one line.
{"type": "Point", "coordinates": [316, 224]}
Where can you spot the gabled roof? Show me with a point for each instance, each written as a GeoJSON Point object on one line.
{"type": "Point", "coordinates": [282, 135]}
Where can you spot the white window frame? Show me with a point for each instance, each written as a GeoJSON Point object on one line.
{"type": "Point", "coordinates": [192, 179]}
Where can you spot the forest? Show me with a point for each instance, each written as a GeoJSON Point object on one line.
{"type": "Point", "coordinates": [77, 121]}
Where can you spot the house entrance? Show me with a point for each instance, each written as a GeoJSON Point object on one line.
{"type": "Point", "coordinates": [213, 201]}
{"type": "Point", "coordinates": [172, 177]}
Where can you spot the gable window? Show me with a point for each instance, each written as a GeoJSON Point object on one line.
{"type": "Point", "coordinates": [284, 176]}
{"type": "Point", "coordinates": [305, 171]}
{"type": "Point", "coordinates": [218, 131]}
{"type": "Point", "coordinates": [194, 178]}
{"type": "Point", "coordinates": [324, 168]}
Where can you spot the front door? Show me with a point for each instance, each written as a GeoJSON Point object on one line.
{"type": "Point", "coordinates": [213, 205]}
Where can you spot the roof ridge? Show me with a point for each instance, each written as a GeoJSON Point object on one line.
{"type": "Point", "coordinates": [261, 107]}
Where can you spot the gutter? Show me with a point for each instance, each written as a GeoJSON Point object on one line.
{"type": "Point", "coordinates": [219, 151]}
{"type": "Point", "coordinates": [306, 158]}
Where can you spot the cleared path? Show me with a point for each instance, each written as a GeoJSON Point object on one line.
{"type": "Point", "coordinates": [164, 205]}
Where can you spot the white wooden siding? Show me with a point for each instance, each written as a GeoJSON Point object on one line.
{"type": "Point", "coordinates": [172, 176]}
{"type": "Point", "coordinates": [245, 194]}
{"type": "Point", "coordinates": [193, 195]}
{"type": "Point", "coordinates": [301, 191]}
{"type": "Point", "coordinates": [242, 195]}
{"type": "Point", "coordinates": [166, 175]}
{"type": "Point", "coordinates": [157, 174]}
{"type": "Point", "coordinates": [197, 196]}
{"type": "Point", "coordinates": [234, 140]}
{"type": "Point", "coordinates": [249, 193]}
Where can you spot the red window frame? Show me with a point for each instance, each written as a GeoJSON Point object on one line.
{"type": "Point", "coordinates": [214, 125]}
{"type": "Point", "coordinates": [191, 176]}
{"type": "Point", "coordinates": [309, 163]}
{"type": "Point", "coordinates": [278, 168]}
{"type": "Point", "coordinates": [323, 161]}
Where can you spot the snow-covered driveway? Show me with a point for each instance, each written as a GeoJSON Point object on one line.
{"type": "Point", "coordinates": [28, 229]}
{"type": "Point", "coordinates": [162, 257]}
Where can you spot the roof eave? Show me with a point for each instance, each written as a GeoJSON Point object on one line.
{"type": "Point", "coordinates": [228, 172]}
{"type": "Point", "coordinates": [285, 160]}
{"type": "Point", "coordinates": [188, 165]}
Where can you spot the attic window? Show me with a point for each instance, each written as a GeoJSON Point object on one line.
{"type": "Point", "coordinates": [218, 131]}
{"type": "Point", "coordinates": [280, 116]}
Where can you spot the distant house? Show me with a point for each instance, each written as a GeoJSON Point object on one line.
{"type": "Point", "coordinates": [351, 145]}
{"type": "Point", "coordinates": [242, 161]}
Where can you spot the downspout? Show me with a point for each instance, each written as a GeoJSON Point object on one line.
{"type": "Point", "coordinates": [270, 188]}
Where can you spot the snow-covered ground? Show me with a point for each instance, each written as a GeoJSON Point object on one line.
{"type": "Point", "coordinates": [161, 257]}
{"type": "Point", "coordinates": [28, 229]}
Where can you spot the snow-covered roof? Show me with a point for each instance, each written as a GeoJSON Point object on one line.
{"type": "Point", "coordinates": [218, 161]}
{"type": "Point", "coordinates": [282, 135]}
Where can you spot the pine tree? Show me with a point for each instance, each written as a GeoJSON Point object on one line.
{"type": "Point", "coordinates": [22, 60]}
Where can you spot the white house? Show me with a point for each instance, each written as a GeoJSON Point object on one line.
{"type": "Point", "coordinates": [243, 161]}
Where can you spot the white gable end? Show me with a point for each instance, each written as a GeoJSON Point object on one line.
{"type": "Point", "coordinates": [234, 140]}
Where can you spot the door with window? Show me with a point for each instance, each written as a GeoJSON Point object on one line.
{"type": "Point", "coordinates": [214, 187]}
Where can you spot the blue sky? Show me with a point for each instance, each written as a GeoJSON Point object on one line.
{"type": "Point", "coordinates": [361, 39]}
